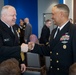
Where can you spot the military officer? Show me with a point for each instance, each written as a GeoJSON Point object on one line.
{"type": "Point", "coordinates": [62, 48]}
{"type": "Point", "coordinates": [9, 43]}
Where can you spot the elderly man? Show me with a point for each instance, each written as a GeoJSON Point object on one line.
{"type": "Point", "coordinates": [9, 44]}
{"type": "Point", "coordinates": [28, 30]}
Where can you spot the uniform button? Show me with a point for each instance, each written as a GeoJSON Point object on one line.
{"type": "Point", "coordinates": [50, 52]}
{"type": "Point", "coordinates": [57, 68]}
{"type": "Point", "coordinates": [57, 61]}
{"type": "Point", "coordinates": [51, 67]}
{"type": "Point", "coordinates": [50, 59]}
{"type": "Point", "coordinates": [57, 53]}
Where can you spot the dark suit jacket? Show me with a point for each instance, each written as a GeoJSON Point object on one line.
{"type": "Point", "coordinates": [62, 50]}
{"type": "Point", "coordinates": [9, 47]}
{"type": "Point", "coordinates": [44, 35]}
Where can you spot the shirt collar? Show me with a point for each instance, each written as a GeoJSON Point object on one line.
{"type": "Point", "coordinates": [6, 24]}
{"type": "Point", "coordinates": [63, 25]}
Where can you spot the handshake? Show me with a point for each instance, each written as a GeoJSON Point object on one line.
{"type": "Point", "coordinates": [27, 47]}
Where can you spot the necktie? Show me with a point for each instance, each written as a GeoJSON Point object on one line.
{"type": "Point", "coordinates": [57, 32]}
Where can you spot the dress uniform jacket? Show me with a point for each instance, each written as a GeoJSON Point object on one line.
{"type": "Point", "coordinates": [62, 50]}
{"type": "Point", "coordinates": [9, 47]}
{"type": "Point", "coordinates": [44, 39]}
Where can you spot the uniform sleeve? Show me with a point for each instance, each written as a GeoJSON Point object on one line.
{"type": "Point", "coordinates": [42, 50]}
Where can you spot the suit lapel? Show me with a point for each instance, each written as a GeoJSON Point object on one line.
{"type": "Point", "coordinates": [11, 33]}
{"type": "Point", "coordinates": [16, 36]}
{"type": "Point", "coordinates": [6, 29]}
{"type": "Point", "coordinates": [63, 31]}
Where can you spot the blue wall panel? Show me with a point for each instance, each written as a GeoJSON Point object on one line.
{"type": "Point", "coordinates": [26, 8]}
{"type": "Point", "coordinates": [5, 2]}
{"type": "Point", "coordinates": [60, 1]}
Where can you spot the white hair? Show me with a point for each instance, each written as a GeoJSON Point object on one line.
{"type": "Point", "coordinates": [5, 8]}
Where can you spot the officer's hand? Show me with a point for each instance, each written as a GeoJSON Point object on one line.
{"type": "Point", "coordinates": [31, 45]}
{"type": "Point", "coordinates": [23, 68]}
{"type": "Point", "coordinates": [24, 47]}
